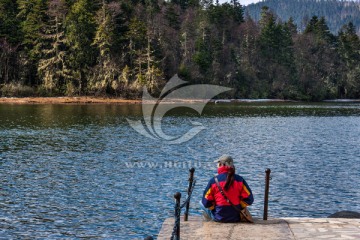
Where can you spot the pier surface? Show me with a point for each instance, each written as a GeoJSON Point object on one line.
{"type": "Point", "coordinates": [282, 228]}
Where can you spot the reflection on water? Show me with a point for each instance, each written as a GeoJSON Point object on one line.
{"type": "Point", "coordinates": [66, 170]}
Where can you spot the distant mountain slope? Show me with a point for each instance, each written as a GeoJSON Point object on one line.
{"type": "Point", "coordinates": [337, 13]}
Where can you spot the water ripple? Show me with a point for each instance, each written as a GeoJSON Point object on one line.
{"type": "Point", "coordinates": [64, 171]}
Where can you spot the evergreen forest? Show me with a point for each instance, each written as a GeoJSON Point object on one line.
{"type": "Point", "coordinates": [115, 48]}
{"type": "Point", "coordinates": [336, 12]}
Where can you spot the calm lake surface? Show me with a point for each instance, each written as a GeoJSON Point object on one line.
{"type": "Point", "coordinates": [80, 171]}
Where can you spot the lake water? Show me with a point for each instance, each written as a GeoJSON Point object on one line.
{"type": "Point", "coordinates": [80, 171]}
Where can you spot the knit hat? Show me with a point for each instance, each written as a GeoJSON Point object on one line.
{"type": "Point", "coordinates": [226, 160]}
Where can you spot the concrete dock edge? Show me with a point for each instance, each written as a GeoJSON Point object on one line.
{"type": "Point", "coordinates": [279, 228]}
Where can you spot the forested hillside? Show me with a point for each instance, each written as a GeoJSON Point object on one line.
{"type": "Point", "coordinates": [336, 12]}
{"type": "Point", "coordinates": [114, 48]}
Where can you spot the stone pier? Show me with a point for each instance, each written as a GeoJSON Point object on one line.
{"type": "Point", "coordinates": [282, 228]}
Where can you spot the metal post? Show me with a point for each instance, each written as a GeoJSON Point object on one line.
{"type": "Point", "coordinates": [177, 197]}
{"type": "Point", "coordinates": [266, 200]}
{"type": "Point", "coordinates": [191, 179]}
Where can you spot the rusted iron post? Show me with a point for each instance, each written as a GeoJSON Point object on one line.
{"type": "Point", "coordinates": [266, 199]}
{"type": "Point", "coordinates": [191, 179]}
{"type": "Point", "coordinates": [177, 197]}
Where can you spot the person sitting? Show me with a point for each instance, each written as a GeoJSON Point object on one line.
{"type": "Point", "coordinates": [235, 188]}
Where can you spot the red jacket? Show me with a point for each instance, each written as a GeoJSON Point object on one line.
{"type": "Point", "coordinates": [239, 194]}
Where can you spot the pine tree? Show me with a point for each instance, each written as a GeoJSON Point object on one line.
{"type": "Point", "coordinates": [80, 31]}
{"type": "Point", "coordinates": [172, 16]}
{"type": "Point", "coordinates": [270, 35]}
{"type": "Point", "coordinates": [277, 64]}
{"type": "Point", "coordinates": [238, 11]}
{"type": "Point", "coordinates": [105, 75]}
{"type": "Point", "coordinates": [349, 50]}
{"type": "Point", "coordinates": [317, 61]}
{"type": "Point", "coordinates": [349, 45]}
{"type": "Point", "coordinates": [203, 56]}
{"type": "Point", "coordinates": [320, 30]}
{"type": "Point", "coordinates": [9, 24]}
{"type": "Point", "coordinates": [291, 26]}
{"type": "Point", "coordinates": [52, 67]}
{"type": "Point", "coordinates": [33, 18]}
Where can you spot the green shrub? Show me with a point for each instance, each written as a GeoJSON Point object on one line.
{"type": "Point", "coordinates": [16, 90]}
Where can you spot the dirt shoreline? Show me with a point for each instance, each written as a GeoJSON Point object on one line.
{"type": "Point", "coordinates": [103, 100]}
{"type": "Point", "coordinates": [84, 100]}
{"type": "Point", "coordinates": [67, 100]}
